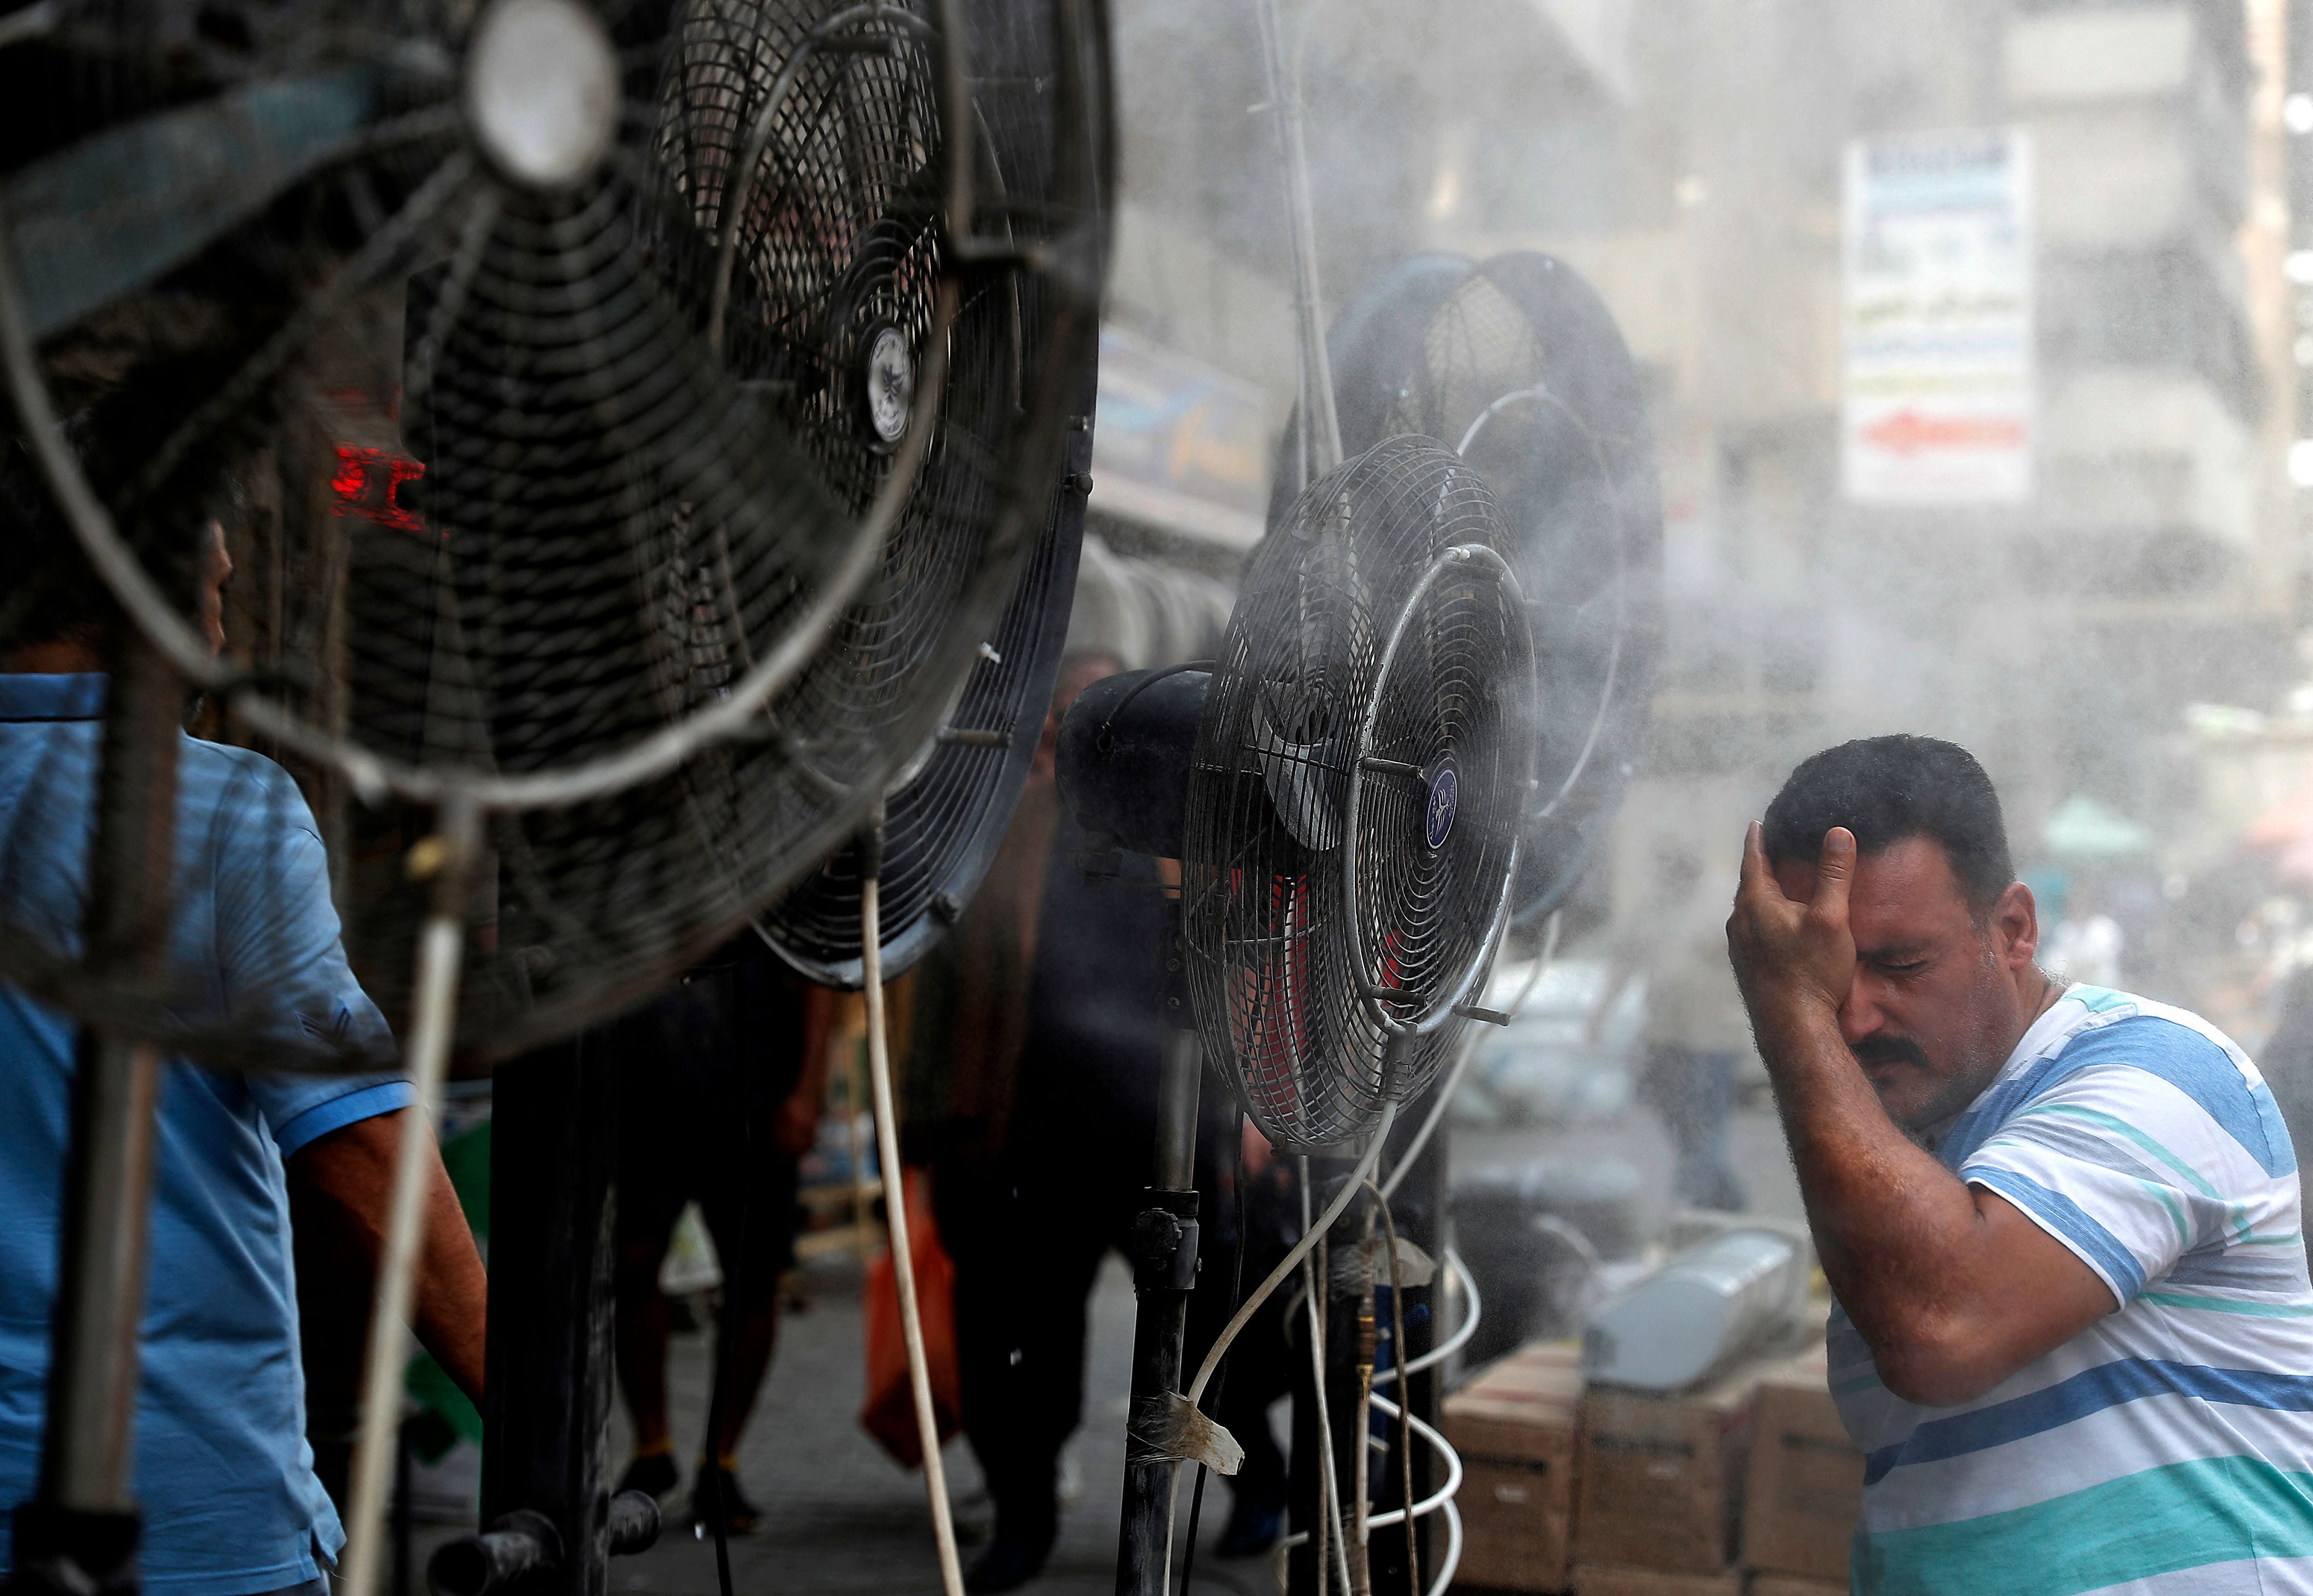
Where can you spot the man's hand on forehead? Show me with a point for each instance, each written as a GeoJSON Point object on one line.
{"type": "Point", "coordinates": [1788, 955]}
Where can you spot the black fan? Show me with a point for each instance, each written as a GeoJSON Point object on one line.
{"type": "Point", "coordinates": [1352, 823]}
{"type": "Point", "coordinates": [1516, 363]}
{"type": "Point", "coordinates": [1343, 787]}
{"type": "Point", "coordinates": [632, 424]}
{"type": "Point", "coordinates": [844, 371]}
{"type": "Point", "coordinates": [639, 424]}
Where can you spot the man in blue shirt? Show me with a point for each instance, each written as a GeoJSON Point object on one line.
{"type": "Point", "coordinates": [223, 1477]}
{"type": "Point", "coordinates": [2062, 1224]}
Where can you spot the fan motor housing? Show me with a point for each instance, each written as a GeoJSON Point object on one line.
{"type": "Point", "coordinates": [1123, 757]}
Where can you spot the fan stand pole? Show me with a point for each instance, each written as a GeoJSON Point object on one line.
{"type": "Point", "coordinates": [1362, 1427]}
{"type": "Point", "coordinates": [896, 1201]}
{"type": "Point", "coordinates": [78, 1534]}
{"type": "Point", "coordinates": [1163, 1253]}
{"type": "Point", "coordinates": [434, 1009]}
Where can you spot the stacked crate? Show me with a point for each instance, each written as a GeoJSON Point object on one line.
{"type": "Point", "coordinates": [1746, 1486]}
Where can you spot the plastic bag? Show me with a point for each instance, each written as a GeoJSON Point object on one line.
{"type": "Point", "coordinates": [889, 1413]}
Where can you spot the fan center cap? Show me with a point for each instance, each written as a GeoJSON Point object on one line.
{"type": "Point", "coordinates": [890, 377]}
{"type": "Point", "coordinates": [542, 91]}
{"type": "Point", "coordinates": [1445, 797]}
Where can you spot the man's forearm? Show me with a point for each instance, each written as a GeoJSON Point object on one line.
{"type": "Point", "coordinates": [450, 1306]}
{"type": "Point", "coordinates": [819, 1010]}
{"type": "Point", "coordinates": [1892, 1225]}
{"type": "Point", "coordinates": [1954, 1288]}
{"type": "Point", "coordinates": [351, 1169]}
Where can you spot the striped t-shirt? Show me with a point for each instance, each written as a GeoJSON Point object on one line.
{"type": "Point", "coordinates": [2169, 1447]}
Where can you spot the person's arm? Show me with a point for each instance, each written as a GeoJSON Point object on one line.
{"type": "Point", "coordinates": [1952, 1287]}
{"type": "Point", "coordinates": [1620, 971]}
{"type": "Point", "coordinates": [286, 979]}
{"type": "Point", "coordinates": [799, 1114]}
{"type": "Point", "coordinates": [351, 1170]}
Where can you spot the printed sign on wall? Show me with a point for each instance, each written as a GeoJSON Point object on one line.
{"type": "Point", "coordinates": [1937, 402]}
{"type": "Point", "coordinates": [1178, 444]}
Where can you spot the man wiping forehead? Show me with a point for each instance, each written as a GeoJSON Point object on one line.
{"type": "Point", "coordinates": [2075, 1337]}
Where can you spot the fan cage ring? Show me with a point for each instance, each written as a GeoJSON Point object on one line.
{"type": "Point", "coordinates": [1540, 395]}
{"type": "Point", "coordinates": [758, 136]}
{"type": "Point", "coordinates": [1461, 558]}
{"type": "Point", "coordinates": [374, 776]}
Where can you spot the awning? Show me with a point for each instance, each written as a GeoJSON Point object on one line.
{"type": "Point", "coordinates": [2083, 829]}
{"type": "Point", "coordinates": [1178, 444]}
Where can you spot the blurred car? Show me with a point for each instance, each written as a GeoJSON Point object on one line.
{"type": "Point", "coordinates": [1543, 1068]}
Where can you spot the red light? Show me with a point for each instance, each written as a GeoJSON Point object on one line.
{"type": "Point", "coordinates": [367, 483]}
{"type": "Point", "coordinates": [352, 473]}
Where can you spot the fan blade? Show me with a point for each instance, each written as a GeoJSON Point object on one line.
{"type": "Point", "coordinates": [171, 184]}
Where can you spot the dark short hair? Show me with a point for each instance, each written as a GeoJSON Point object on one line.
{"type": "Point", "coordinates": [1885, 789]}
{"type": "Point", "coordinates": [48, 590]}
{"type": "Point", "coordinates": [51, 591]}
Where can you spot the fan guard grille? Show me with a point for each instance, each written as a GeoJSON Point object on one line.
{"type": "Point", "coordinates": [1518, 363]}
{"type": "Point", "coordinates": [1353, 805]}
{"type": "Point", "coordinates": [598, 508]}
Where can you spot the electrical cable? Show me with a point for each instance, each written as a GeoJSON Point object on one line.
{"type": "Point", "coordinates": [1453, 1563]}
{"type": "Point", "coordinates": [1220, 1380]}
{"type": "Point", "coordinates": [434, 1009]}
{"type": "Point", "coordinates": [1311, 1235]}
{"type": "Point", "coordinates": [1462, 1332]}
{"type": "Point", "coordinates": [1444, 1493]}
{"type": "Point", "coordinates": [1445, 1088]}
{"type": "Point", "coordinates": [1329, 1508]}
{"type": "Point", "coordinates": [1437, 1587]}
{"type": "Point", "coordinates": [1301, 1249]}
{"type": "Point", "coordinates": [896, 1208]}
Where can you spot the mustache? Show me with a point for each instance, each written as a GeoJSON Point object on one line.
{"type": "Point", "coordinates": [1889, 1049]}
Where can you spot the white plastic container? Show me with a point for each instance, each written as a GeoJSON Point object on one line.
{"type": "Point", "coordinates": [1700, 1309]}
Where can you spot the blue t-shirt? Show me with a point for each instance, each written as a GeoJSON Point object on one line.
{"type": "Point", "coordinates": [2166, 1449]}
{"type": "Point", "coordinates": [223, 1477]}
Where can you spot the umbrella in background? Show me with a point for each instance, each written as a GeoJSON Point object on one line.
{"type": "Point", "coordinates": [2285, 824]}
{"type": "Point", "coordinates": [2083, 829]}
{"type": "Point", "coordinates": [2286, 832]}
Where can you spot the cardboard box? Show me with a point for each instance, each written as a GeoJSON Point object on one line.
{"type": "Point", "coordinates": [1791, 1584]}
{"type": "Point", "coordinates": [1592, 1580]}
{"type": "Point", "coordinates": [1806, 1484]}
{"type": "Point", "coordinates": [1658, 1479]}
{"type": "Point", "coordinates": [1514, 1425]}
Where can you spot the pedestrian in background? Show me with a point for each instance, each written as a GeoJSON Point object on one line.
{"type": "Point", "coordinates": [223, 1476]}
{"type": "Point", "coordinates": [1696, 1037]}
{"type": "Point", "coordinates": [1043, 1016]}
{"type": "Point", "coordinates": [720, 1082]}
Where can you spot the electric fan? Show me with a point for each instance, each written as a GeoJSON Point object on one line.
{"type": "Point", "coordinates": [635, 423]}
{"type": "Point", "coordinates": [1351, 828]}
{"type": "Point", "coordinates": [1516, 362]}
{"type": "Point", "coordinates": [1343, 787]}
{"type": "Point", "coordinates": [640, 427]}
{"type": "Point", "coordinates": [945, 811]}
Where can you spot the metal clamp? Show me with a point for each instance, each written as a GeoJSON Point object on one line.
{"type": "Point", "coordinates": [523, 1541]}
{"type": "Point", "coordinates": [526, 1542]}
{"type": "Point", "coordinates": [1164, 1242]}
